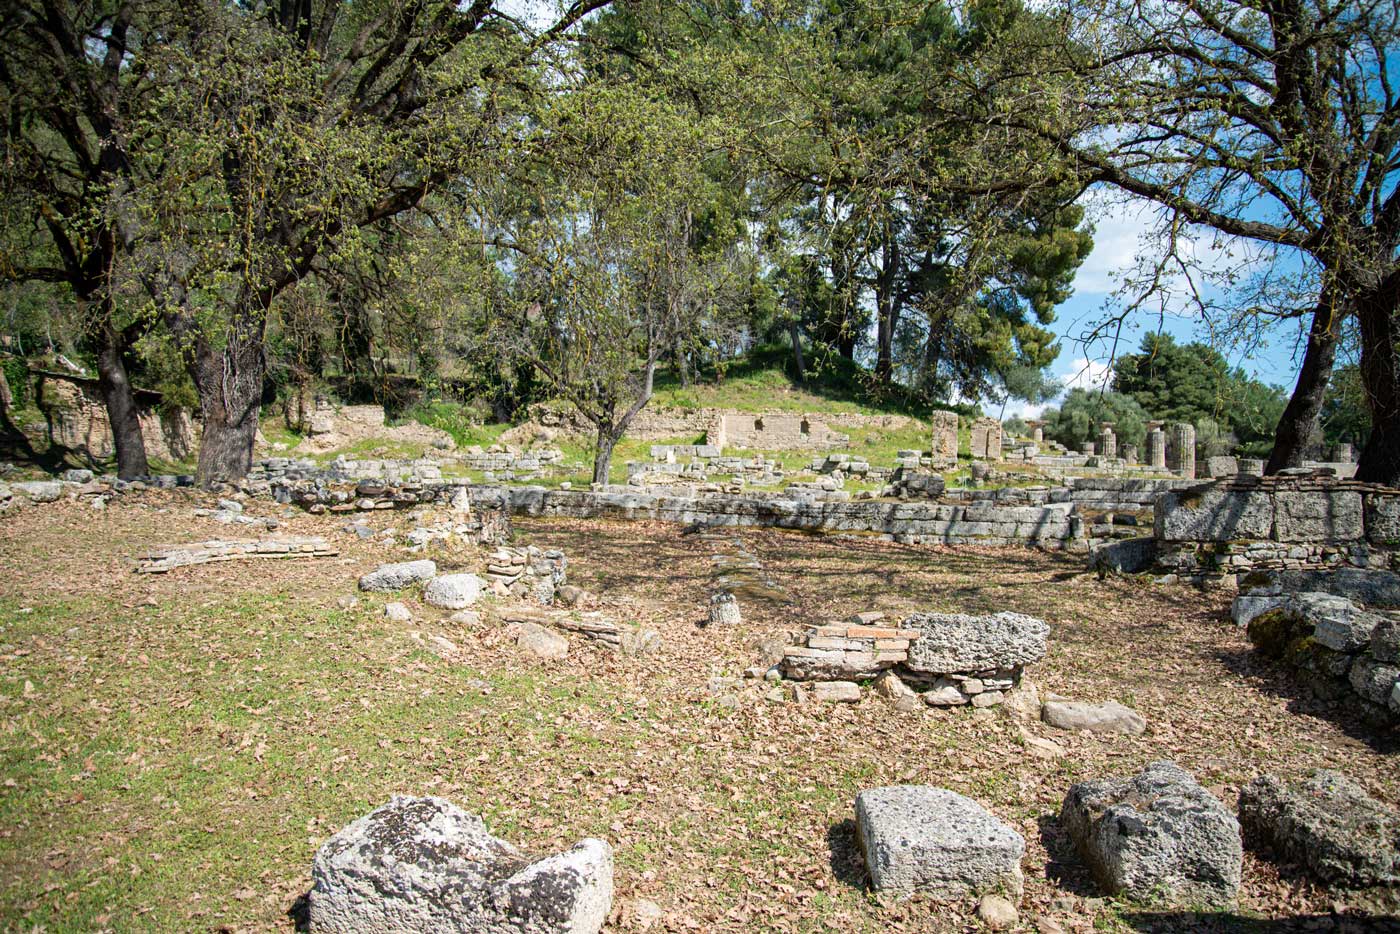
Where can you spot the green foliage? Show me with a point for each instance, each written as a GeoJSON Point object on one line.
{"type": "Point", "coordinates": [1080, 417]}
{"type": "Point", "coordinates": [1345, 416]}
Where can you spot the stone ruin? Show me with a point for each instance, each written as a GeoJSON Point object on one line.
{"type": "Point", "coordinates": [774, 432]}
{"type": "Point", "coordinates": [944, 445]}
{"type": "Point", "coordinates": [78, 424]}
{"type": "Point", "coordinates": [952, 659]}
{"type": "Point", "coordinates": [986, 439]}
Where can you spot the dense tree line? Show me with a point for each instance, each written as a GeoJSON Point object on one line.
{"type": "Point", "coordinates": [249, 199]}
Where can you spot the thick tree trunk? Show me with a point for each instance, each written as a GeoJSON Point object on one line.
{"type": "Point", "coordinates": [886, 307]}
{"type": "Point", "coordinates": [120, 401]}
{"type": "Point", "coordinates": [608, 436]}
{"type": "Point", "coordinates": [1379, 318]}
{"type": "Point", "coordinates": [795, 334]}
{"type": "Point", "coordinates": [230, 384]}
{"type": "Point", "coordinates": [1298, 425]}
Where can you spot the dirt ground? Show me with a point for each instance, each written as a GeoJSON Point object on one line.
{"type": "Point", "coordinates": [174, 747]}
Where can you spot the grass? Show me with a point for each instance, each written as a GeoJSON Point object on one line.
{"type": "Point", "coordinates": [174, 749]}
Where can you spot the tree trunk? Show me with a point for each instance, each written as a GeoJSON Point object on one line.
{"type": "Point", "coordinates": [886, 306]}
{"type": "Point", "coordinates": [1376, 313]}
{"type": "Point", "coordinates": [795, 333]}
{"type": "Point", "coordinates": [608, 436]}
{"type": "Point", "coordinates": [230, 384]}
{"type": "Point", "coordinates": [117, 395]}
{"type": "Point", "coordinates": [1298, 424]}
{"type": "Point", "coordinates": [11, 435]}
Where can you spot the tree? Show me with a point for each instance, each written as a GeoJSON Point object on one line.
{"type": "Point", "coordinates": [1080, 417]}
{"type": "Point", "coordinates": [1274, 122]}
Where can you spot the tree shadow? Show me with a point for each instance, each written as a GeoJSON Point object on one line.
{"type": "Point", "coordinates": [1279, 680]}
{"type": "Point", "coordinates": [1063, 866]}
{"type": "Point", "coordinates": [300, 912]}
{"type": "Point", "coordinates": [847, 860]}
{"type": "Point", "coordinates": [1228, 922]}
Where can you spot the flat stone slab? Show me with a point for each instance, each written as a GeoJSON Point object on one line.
{"type": "Point", "coordinates": [955, 642]}
{"type": "Point", "coordinates": [1156, 836]}
{"type": "Point", "coordinates": [1325, 823]}
{"type": "Point", "coordinates": [422, 864]}
{"type": "Point", "coordinates": [920, 839]}
{"type": "Point", "coordinates": [390, 577]}
{"type": "Point", "coordinates": [1108, 717]}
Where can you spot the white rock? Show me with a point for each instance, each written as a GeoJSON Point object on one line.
{"type": "Point", "coordinates": [930, 840]}
{"type": "Point", "coordinates": [997, 913]}
{"type": "Point", "coordinates": [388, 577]}
{"type": "Point", "coordinates": [539, 641]}
{"type": "Point", "coordinates": [422, 864]}
{"type": "Point", "coordinates": [1109, 717]}
{"type": "Point", "coordinates": [836, 692]}
{"type": "Point", "coordinates": [397, 612]}
{"type": "Point", "coordinates": [452, 591]}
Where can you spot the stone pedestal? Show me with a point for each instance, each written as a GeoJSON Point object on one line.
{"type": "Point", "coordinates": [986, 439]}
{"type": "Point", "coordinates": [944, 447]}
{"type": "Point", "coordinates": [1088, 447]}
{"type": "Point", "coordinates": [1344, 453]}
{"type": "Point", "coordinates": [1108, 442]}
{"type": "Point", "coordinates": [1037, 431]}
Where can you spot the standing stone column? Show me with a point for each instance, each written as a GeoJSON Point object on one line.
{"type": "Point", "coordinates": [945, 440]}
{"type": "Point", "coordinates": [1343, 453]}
{"type": "Point", "coordinates": [1130, 454]}
{"type": "Point", "coordinates": [986, 439]}
{"type": "Point", "coordinates": [1108, 441]}
{"type": "Point", "coordinates": [1156, 446]}
{"type": "Point", "coordinates": [1181, 449]}
{"type": "Point", "coordinates": [1037, 431]}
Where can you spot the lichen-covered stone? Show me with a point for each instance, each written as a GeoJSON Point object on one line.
{"type": "Point", "coordinates": [1385, 640]}
{"type": "Point", "coordinates": [1372, 587]}
{"type": "Point", "coordinates": [1317, 516]}
{"type": "Point", "coordinates": [390, 577]}
{"type": "Point", "coordinates": [1325, 823]}
{"type": "Point", "coordinates": [1157, 835]}
{"type": "Point", "coordinates": [1383, 518]}
{"type": "Point", "coordinates": [422, 864]}
{"type": "Point", "coordinates": [452, 591]}
{"type": "Point", "coordinates": [1108, 717]}
{"type": "Point", "coordinates": [954, 642]}
{"type": "Point", "coordinates": [1373, 680]}
{"type": "Point", "coordinates": [919, 839]}
{"type": "Point", "coordinates": [1334, 621]}
{"type": "Point", "coordinates": [1210, 515]}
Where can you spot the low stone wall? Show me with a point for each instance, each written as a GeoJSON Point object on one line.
{"type": "Point", "coordinates": [78, 423]}
{"type": "Point", "coordinates": [1294, 520]}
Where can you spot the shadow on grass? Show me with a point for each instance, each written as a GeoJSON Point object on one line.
{"type": "Point", "coordinates": [1063, 866]}
{"type": "Point", "coordinates": [847, 862]}
{"type": "Point", "coordinates": [1227, 922]}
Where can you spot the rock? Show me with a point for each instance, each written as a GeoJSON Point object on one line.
{"type": "Point", "coordinates": [945, 693]}
{"type": "Point", "coordinates": [1247, 606]}
{"type": "Point", "coordinates": [641, 914]}
{"type": "Point", "coordinates": [724, 609]}
{"type": "Point", "coordinates": [1373, 680]}
{"type": "Point", "coordinates": [890, 687]}
{"type": "Point", "coordinates": [571, 596]}
{"type": "Point", "coordinates": [1325, 823]}
{"type": "Point", "coordinates": [1110, 717]}
{"type": "Point", "coordinates": [1040, 747]}
{"type": "Point", "coordinates": [1317, 516]}
{"type": "Point", "coordinates": [539, 641]}
{"type": "Point", "coordinates": [76, 475]}
{"type": "Point", "coordinates": [1023, 701]}
{"type": "Point", "coordinates": [770, 647]}
{"type": "Point", "coordinates": [347, 602]}
{"type": "Point", "coordinates": [639, 641]}
{"type": "Point", "coordinates": [953, 642]}
{"type": "Point", "coordinates": [397, 612]}
{"type": "Point", "coordinates": [988, 699]}
{"type": "Point", "coordinates": [1212, 515]}
{"type": "Point", "coordinates": [1366, 586]}
{"type": "Point", "coordinates": [919, 839]}
{"type": "Point", "coordinates": [422, 864]}
{"type": "Point", "coordinates": [388, 577]}
{"type": "Point", "coordinates": [38, 491]}
{"type": "Point", "coordinates": [452, 591]}
{"type": "Point", "coordinates": [230, 505]}
{"type": "Point", "coordinates": [1128, 556]}
{"type": "Point", "coordinates": [471, 619]}
{"type": "Point", "coordinates": [836, 692]}
{"type": "Point", "coordinates": [1385, 640]}
{"type": "Point", "coordinates": [1156, 835]}
{"type": "Point", "coordinates": [1336, 622]}
{"type": "Point", "coordinates": [997, 913]}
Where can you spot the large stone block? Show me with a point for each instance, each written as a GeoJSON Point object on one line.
{"type": "Point", "coordinates": [1325, 823]}
{"type": "Point", "coordinates": [1369, 586]}
{"type": "Point", "coordinates": [1157, 835]}
{"type": "Point", "coordinates": [1383, 518]}
{"type": "Point", "coordinates": [389, 577]}
{"type": "Point", "coordinates": [1212, 515]}
{"type": "Point", "coordinates": [918, 839]}
{"type": "Point", "coordinates": [452, 591]}
{"type": "Point", "coordinates": [422, 864]}
{"type": "Point", "coordinates": [954, 642]}
{"type": "Point", "coordinates": [1317, 516]}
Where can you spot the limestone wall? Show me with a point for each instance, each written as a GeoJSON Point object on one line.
{"type": "Point", "coordinates": [775, 432]}
{"type": "Point", "coordinates": [77, 421]}
{"type": "Point", "coordinates": [1290, 521]}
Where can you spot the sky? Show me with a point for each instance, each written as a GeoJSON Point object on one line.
{"type": "Point", "coordinates": [1122, 230]}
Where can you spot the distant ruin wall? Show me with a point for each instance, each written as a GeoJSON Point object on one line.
{"type": "Point", "coordinates": [77, 420]}
{"type": "Point", "coordinates": [775, 432]}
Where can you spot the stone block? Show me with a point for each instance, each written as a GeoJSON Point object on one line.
{"type": "Point", "coordinates": [390, 577]}
{"type": "Point", "coordinates": [1108, 717]}
{"type": "Point", "coordinates": [1156, 836]}
{"type": "Point", "coordinates": [1212, 515]}
{"type": "Point", "coordinates": [1318, 516]}
{"type": "Point", "coordinates": [422, 864]}
{"type": "Point", "coordinates": [1325, 823]}
{"type": "Point", "coordinates": [954, 642]}
{"type": "Point", "coordinates": [1383, 518]}
{"type": "Point", "coordinates": [452, 591]}
{"type": "Point", "coordinates": [919, 839]}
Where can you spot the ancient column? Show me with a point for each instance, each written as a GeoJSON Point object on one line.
{"type": "Point", "coordinates": [1156, 446]}
{"type": "Point", "coordinates": [1108, 441]}
{"type": "Point", "coordinates": [945, 440]}
{"type": "Point", "coordinates": [1130, 454]}
{"type": "Point", "coordinates": [1181, 449]}
{"type": "Point", "coordinates": [1343, 453]}
{"type": "Point", "coordinates": [1037, 431]}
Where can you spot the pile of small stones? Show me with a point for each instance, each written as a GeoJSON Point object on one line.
{"type": "Point", "coordinates": [526, 572]}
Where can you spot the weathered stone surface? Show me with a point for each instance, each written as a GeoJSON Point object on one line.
{"type": "Point", "coordinates": [1317, 516]}
{"type": "Point", "coordinates": [1222, 466]}
{"type": "Point", "coordinates": [1383, 518]}
{"type": "Point", "coordinates": [1109, 717]}
{"type": "Point", "coordinates": [397, 613]}
{"type": "Point", "coordinates": [389, 577]}
{"type": "Point", "coordinates": [1156, 835]}
{"type": "Point", "coordinates": [1369, 587]}
{"type": "Point", "coordinates": [945, 693]}
{"type": "Point", "coordinates": [422, 864]}
{"type": "Point", "coordinates": [1326, 823]}
{"type": "Point", "coordinates": [930, 840]}
{"type": "Point", "coordinates": [1336, 622]}
{"type": "Point", "coordinates": [539, 641]}
{"type": "Point", "coordinates": [724, 609]}
{"type": "Point", "coordinates": [1385, 640]}
{"type": "Point", "coordinates": [38, 491]}
{"type": "Point", "coordinates": [1247, 606]}
{"type": "Point", "coordinates": [1128, 556]}
{"type": "Point", "coordinates": [891, 687]}
{"type": "Point", "coordinates": [997, 913]}
{"type": "Point", "coordinates": [836, 692]}
{"type": "Point", "coordinates": [452, 591]}
{"type": "Point", "coordinates": [944, 445]}
{"type": "Point", "coordinates": [953, 642]}
{"type": "Point", "coordinates": [1211, 515]}
{"type": "Point", "coordinates": [1373, 680]}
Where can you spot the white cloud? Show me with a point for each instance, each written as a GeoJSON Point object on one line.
{"type": "Point", "coordinates": [1084, 373]}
